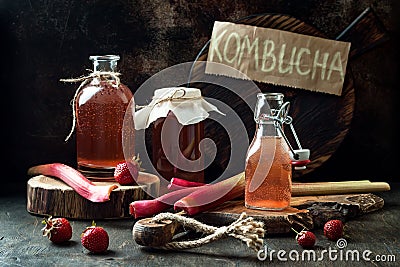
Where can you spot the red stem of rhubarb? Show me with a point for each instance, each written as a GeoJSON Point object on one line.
{"type": "Point", "coordinates": [147, 208]}
{"type": "Point", "coordinates": [76, 180]}
{"type": "Point", "coordinates": [178, 183]}
{"type": "Point", "coordinates": [212, 195]}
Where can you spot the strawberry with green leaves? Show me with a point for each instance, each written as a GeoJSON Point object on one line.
{"type": "Point", "coordinates": [58, 230]}
{"type": "Point", "coordinates": [95, 239]}
{"type": "Point", "coordinates": [127, 172]}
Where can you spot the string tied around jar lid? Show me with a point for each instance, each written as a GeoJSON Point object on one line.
{"type": "Point", "coordinates": [187, 104]}
{"type": "Point", "coordinates": [172, 97]}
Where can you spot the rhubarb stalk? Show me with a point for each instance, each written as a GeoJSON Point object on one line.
{"type": "Point", "coordinates": [177, 183]}
{"type": "Point", "coordinates": [147, 208]}
{"type": "Point", "coordinates": [212, 195]}
{"type": "Point", "coordinates": [194, 200]}
{"type": "Point", "coordinates": [76, 180]}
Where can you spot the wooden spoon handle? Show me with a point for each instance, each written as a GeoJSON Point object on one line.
{"type": "Point", "coordinates": [154, 234]}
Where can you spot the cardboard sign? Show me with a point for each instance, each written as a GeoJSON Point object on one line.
{"type": "Point", "coordinates": [278, 57]}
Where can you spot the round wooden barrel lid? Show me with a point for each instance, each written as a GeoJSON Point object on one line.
{"type": "Point", "coordinates": [321, 120]}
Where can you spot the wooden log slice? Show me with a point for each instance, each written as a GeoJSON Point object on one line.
{"type": "Point", "coordinates": [320, 120]}
{"type": "Point", "coordinates": [49, 196]}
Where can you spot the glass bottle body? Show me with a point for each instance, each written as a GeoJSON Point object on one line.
{"type": "Point", "coordinates": [176, 149]}
{"type": "Point", "coordinates": [100, 109]}
{"type": "Point", "coordinates": [268, 170]}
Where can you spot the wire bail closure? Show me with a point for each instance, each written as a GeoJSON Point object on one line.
{"type": "Point", "coordinates": [300, 156]}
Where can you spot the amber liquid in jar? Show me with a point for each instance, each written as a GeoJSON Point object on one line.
{"type": "Point", "coordinates": [100, 111]}
{"type": "Point", "coordinates": [181, 144]}
{"type": "Point", "coordinates": [270, 173]}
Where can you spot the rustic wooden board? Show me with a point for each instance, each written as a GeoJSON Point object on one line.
{"type": "Point", "coordinates": [275, 221]}
{"type": "Point", "coordinates": [305, 212]}
{"type": "Point", "coordinates": [343, 207]}
{"type": "Point", "coordinates": [50, 196]}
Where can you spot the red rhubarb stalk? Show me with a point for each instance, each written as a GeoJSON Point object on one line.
{"type": "Point", "coordinates": [178, 183]}
{"type": "Point", "coordinates": [147, 208]}
{"type": "Point", "coordinates": [76, 180]}
{"type": "Point", "coordinates": [212, 195]}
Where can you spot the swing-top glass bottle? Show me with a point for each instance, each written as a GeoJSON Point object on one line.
{"type": "Point", "coordinates": [268, 164]}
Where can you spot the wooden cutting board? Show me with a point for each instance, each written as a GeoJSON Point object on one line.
{"type": "Point", "coordinates": [305, 212]}
{"type": "Point", "coordinates": [49, 196]}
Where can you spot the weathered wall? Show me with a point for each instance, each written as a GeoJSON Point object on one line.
{"type": "Point", "coordinates": [43, 41]}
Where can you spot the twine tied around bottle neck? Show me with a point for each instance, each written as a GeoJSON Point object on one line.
{"type": "Point", "coordinates": [109, 76]}
{"type": "Point", "coordinates": [244, 228]}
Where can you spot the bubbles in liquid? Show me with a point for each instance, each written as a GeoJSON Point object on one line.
{"type": "Point", "coordinates": [274, 192]}
{"type": "Point", "coordinates": [99, 127]}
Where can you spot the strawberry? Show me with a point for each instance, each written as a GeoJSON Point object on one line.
{"type": "Point", "coordinates": [127, 172]}
{"type": "Point", "coordinates": [58, 230]}
{"type": "Point", "coordinates": [95, 239]}
{"type": "Point", "coordinates": [305, 239]}
{"type": "Point", "coordinates": [333, 229]}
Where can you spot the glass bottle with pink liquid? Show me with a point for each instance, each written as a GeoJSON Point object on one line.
{"type": "Point", "coordinates": [268, 170]}
{"type": "Point", "coordinates": [100, 108]}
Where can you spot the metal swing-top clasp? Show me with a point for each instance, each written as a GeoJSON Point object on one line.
{"type": "Point", "coordinates": [300, 157]}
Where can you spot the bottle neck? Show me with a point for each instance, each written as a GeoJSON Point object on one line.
{"type": "Point", "coordinates": [105, 65]}
{"type": "Point", "coordinates": [267, 129]}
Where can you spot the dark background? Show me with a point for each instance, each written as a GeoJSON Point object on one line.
{"type": "Point", "coordinates": [43, 41]}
